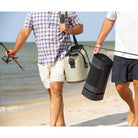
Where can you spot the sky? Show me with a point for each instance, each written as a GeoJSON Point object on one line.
{"type": "Point", "coordinates": [12, 22]}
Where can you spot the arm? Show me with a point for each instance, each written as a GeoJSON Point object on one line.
{"type": "Point", "coordinates": [75, 30]}
{"type": "Point", "coordinates": [105, 30]}
{"type": "Point", "coordinates": [21, 39]}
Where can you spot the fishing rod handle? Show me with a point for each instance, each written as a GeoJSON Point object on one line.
{"type": "Point", "coordinates": [18, 64]}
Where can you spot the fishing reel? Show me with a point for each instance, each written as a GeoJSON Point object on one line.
{"type": "Point", "coordinates": [7, 59]}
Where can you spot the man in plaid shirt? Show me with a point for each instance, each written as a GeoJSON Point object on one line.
{"type": "Point", "coordinates": [52, 39]}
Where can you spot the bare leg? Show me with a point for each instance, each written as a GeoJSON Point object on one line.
{"type": "Point", "coordinates": [135, 83]}
{"type": "Point", "coordinates": [49, 92]}
{"type": "Point", "coordinates": [56, 105]}
{"type": "Point", "coordinates": [60, 121]}
{"type": "Point", "coordinates": [126, 94]}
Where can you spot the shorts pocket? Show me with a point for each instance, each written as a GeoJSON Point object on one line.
{"type": "Point", "coordinates": [44, 72]}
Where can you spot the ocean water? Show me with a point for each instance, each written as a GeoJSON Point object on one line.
{"type": "Point", "coordinates": [23, 89]}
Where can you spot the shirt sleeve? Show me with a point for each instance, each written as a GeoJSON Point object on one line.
{"type": "Point", "coordinates": [73, 18]}
{"type": "Point", "coordinates": [111, 15]}
{"type": "Point", "coordinates": [28, 21]}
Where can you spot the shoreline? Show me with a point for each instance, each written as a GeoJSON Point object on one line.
{"type": "Point", "coordinates": [23, 106]}
{"type": "Point", "coordinates": [79, 111]}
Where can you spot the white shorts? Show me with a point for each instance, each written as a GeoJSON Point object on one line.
{"type": "Point", "coordinates": [52, 73]}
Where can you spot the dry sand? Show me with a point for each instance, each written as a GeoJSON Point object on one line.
{"type": "Point", "coordinates": [79, 111]}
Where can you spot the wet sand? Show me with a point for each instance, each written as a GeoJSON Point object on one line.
{"type": "Point", "coordinates": [79, 111]}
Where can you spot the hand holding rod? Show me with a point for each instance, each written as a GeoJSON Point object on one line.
{"type": "Point", "coordinates": [14, 58]}
{"type": "Point", "coordinates": [113, 50]}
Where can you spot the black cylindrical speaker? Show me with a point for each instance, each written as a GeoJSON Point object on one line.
{"type": "Point", "coordinates": [97, 78]}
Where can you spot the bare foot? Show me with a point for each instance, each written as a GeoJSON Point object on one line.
{"type": "Point", "coordinates": [63, 125]}
{"type": "Point", "coordinates": [130, 118]}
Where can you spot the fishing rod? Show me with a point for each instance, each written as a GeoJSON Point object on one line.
{"type": "Point", "coordinates": [6, 58]}
{"type": "Point", "coordinates": [113, 50]}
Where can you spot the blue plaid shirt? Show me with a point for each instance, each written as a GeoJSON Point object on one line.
{"type": "Point", "coordinates": [51, 42]}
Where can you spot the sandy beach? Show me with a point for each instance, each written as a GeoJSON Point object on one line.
{"type": "Point", "coordinates": [79, 111]}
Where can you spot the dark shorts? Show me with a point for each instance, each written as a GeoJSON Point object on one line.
{"type": "Point", "coordinates": [124, 70]}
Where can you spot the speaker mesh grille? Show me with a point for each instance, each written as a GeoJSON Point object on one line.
{"type": "Point", "coordinates": [93, 76]}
